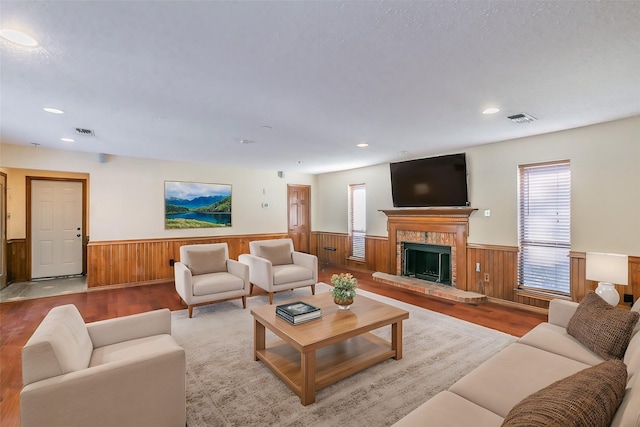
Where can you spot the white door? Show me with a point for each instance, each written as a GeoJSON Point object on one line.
{"type": "Point", "coordinates": [56, 228]}
{"type": "Point", "coordinates": [3, 230]}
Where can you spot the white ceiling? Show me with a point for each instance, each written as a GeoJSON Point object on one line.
{"type": "Point", "coordinates": [306, 80]}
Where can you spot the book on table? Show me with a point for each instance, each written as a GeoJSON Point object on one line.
{"type": "Point", "coordinates": [298, 312]}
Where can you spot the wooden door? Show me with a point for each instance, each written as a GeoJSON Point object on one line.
{"type": "Point", "coordinates": [299, 197]}
{"type": "Point", "coordinates": [56, 228]}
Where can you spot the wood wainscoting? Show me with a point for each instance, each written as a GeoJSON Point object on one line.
{"type": "Point", "coordinates": [130, 262]}
{"type": "Point", "coordinates": [17, 261]}
{"type": "Point", "coordinates": [580, 286]}
{"type": "Point", "coordinates": [333, 249]}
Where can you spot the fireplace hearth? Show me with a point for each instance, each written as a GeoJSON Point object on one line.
{"type": "Point", "coordinates": [427, 262]}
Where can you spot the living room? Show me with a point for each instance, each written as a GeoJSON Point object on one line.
{"type": "Point", "coordinates": [125, 240]}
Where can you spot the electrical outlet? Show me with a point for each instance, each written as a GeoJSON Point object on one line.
{"type": "Point", "coordinates": [486, 277]}
{"type": "Point", "coordinates": [172, 262]}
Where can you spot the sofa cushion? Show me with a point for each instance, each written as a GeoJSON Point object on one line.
{"type": "Point", "coordinates": [447, 409]}
{"type": "Point", "coordinates": [513, 374]}
{"type": "Point", "coordinates": [61, 344]}
{"type": "Point", "coordinates": [216, 283]}
{"type": "Point", "coordinates": [290, 273]}
{"type": "Point", "coordinates": [601, 327]}
{"type": "Point", "coordinates": [587, 398]}
{"type": "Point", "coordinates": [279, 254]}
{"type": "Point", "coordinates": [555, 339]}
{"type": "Point", "coordinates": [205, 262]}
{"type": "Point", "coordinates": [628, 414]}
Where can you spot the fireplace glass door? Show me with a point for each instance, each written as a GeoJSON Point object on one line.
{"type": "Point", "coordinates": [427, 262]}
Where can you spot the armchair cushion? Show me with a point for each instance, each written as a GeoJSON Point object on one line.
{"type": "Point", "coordinates": [205, 262]}
{"type": "Point", "coordinates": [290, 273]}
{"type": "Point", "coordinates": [131, 349]}
{"type": "Point", "coordinates": [60, 345]}
{"type": "Point", "coordinates": [216, 283]}
{"type": "Point", "coordinates": [277, 254]}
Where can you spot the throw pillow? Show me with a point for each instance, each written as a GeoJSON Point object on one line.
{"type": "Point", "coordinates": [205, 262]}
{"type": "Point", "coordinates": [587, 398]}
{"type": "Point", "coordinates": [277, 254]}
{"type": "Point", "coordinates": [601, 327]}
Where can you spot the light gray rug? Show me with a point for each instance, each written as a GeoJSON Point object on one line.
{"type": "Point", "coordinates": [226, 387]}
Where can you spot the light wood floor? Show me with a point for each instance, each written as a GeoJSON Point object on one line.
{"type": "Point", "coordinates": [19, 319]}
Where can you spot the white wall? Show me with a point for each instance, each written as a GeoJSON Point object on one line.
{"type": "Point", "coordinates": [127, 194]}
{"type": "Point", "coordinates": [605, 175]}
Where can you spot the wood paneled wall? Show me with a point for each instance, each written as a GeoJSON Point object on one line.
{"type": "Point", "coordinates": [376, 251]}
{"type": "Point", "coordinates": [17, 261]}
{"type": "Point", "coordinates": [500, 266]}
{"type": "Point", "coordinates": [580, 286]}
{"type": "Point", "coordinates": [134, 261]}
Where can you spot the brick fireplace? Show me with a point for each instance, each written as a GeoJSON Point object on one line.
{"type": "Point", "coordinates": [434, 226]}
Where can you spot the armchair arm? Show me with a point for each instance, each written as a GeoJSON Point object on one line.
{"type": "Point", "coordinates": [239, 269]}
{"type": "Point", "coordinates": [184, 286]}
{"type": "Point", "coordinates": [560, 312]}
{"type": "Point", "coordinates": [117, 393]}
{"type": "Point", "coordinates": [307, 261]}
{"type": "Point", "coordinates": [260, 270]}
{"type": "Point", "coordinates": [112, 331]}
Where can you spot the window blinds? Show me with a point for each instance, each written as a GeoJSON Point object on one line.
{"type": "Point", "coordinates": [357, 219]}
{"type": "Point", "coordinates": [545, 226]}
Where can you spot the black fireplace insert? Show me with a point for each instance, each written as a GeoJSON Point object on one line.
{"type": "Point", "coordinates": [427, 262]}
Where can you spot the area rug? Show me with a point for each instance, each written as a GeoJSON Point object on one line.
{"type": "Point", "coordinates": [226, 387]}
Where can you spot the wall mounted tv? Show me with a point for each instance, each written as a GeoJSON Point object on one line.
{"type": "Point", "coordinates": [430, 182]}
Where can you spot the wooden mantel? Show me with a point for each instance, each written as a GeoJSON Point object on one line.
{"type": "Point", "coordinates": [442, 220]}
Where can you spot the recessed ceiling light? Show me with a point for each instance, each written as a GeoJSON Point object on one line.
{"type": "Point", "coordinates": [67, 140]}
{"type": "Point", "coordinates": [491, 110]}
{"type": "Point", "coordinates": [53, 110]}
{"type": "Point", "coordinates": [17, 37]}
{"type": "Point", "coordinates": [246, 141]}
{"type": "Point", "coordinates": [362, 145]}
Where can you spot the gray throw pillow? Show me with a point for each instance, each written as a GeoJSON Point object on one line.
{"type": "Point", "coordinates": [205, 262]}
{"type": "Point", "coordinates": [277, 254]}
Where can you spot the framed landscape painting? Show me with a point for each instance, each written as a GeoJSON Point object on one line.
{"type": "Point", "coordinates": [196, 205]}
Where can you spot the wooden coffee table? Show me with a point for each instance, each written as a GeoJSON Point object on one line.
{"type": "Point", "coordinates": [320, 352]}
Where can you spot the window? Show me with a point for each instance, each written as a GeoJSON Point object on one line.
{"type": "Point", "coordinates": [545, 226]}
{"type": "Point", "coordinates": [357, 219]}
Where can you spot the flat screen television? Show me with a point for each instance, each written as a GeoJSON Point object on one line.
{"type": "Point", "coordinates": [430, 182]}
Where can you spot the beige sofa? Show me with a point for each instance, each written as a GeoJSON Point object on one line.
{"type": "Point", "coordinates": [546, 354]}
{"type": "Point", "coordinates": [126, 371]}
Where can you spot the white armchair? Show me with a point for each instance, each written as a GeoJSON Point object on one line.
{"type": "Point", "coordinates": [275, 266]}
{"type": "Point", "coordinates": [205, 274]}
{"type": "Point", "coordinates": [126, 371]}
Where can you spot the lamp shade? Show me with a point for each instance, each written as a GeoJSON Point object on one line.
{"type": "Point", "coordinates": [609, 268]}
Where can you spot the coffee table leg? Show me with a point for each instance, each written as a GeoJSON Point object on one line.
{"type": "Point", "coordinates": [308, 386]}
{"type": "Point", "coordinates": [259, 341]}
{"type": "Point", "coordinates": [396, 339]}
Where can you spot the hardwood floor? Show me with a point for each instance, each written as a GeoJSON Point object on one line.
{"type": "Point", "coordinates": [19, 319]}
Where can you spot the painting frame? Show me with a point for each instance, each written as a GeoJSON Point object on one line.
{"type": "Point", "coordinates": [190, 204]}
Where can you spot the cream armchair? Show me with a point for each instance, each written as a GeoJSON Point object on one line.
{"type": "Point", "coordinates": [205, 274]}
{"type": "Point", "coordinates": [275, 266]}
{"type": "Point", "coordinates": [126, 371]}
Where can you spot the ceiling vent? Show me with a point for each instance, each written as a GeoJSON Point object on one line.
{"type": "Point", "coordinates": [521, 118]}
{"type": "Point", "coordinates": [85, 132]}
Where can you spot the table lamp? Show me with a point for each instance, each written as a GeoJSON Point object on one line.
{"type": "Point", "coordinates": [607, 270]}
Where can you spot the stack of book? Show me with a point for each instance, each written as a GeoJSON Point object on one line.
{"type": "Point", "coordinates": [298, 312]}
